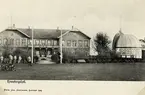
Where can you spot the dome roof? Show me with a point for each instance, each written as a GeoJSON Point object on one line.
{"type": "Point", "coordinates": [115, 40]}
{"type": "Point", "coordinates": [127, 40]}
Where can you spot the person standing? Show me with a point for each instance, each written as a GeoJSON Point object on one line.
{"type": "Point", "coordinates": [1, 59]}
{"type": "Point", "coordinates": [29, 61]}
{"type": "Point", "coordinates": [15, 59]}
{"type": "Point", "coordinates": [10, 59]}
{"type": "Point", "coordinates": [2, 62]}
{"type": "Point", "coordinates": [19, 59]}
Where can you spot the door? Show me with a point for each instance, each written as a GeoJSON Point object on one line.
{"type": "Point", "coordinates": [38, 53]}
{"type": "Point", "coordinates": [43, 52]}
{"type": "Point", "coordinates": [49, 53]}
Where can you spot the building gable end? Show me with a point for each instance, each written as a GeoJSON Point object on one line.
{"type": "Point", "coordinates": [74, 31]}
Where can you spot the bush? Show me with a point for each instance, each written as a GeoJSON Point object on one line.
{"type": "Point", "coordinates": [6, 53]}
{"type": "Point", "coordinates": [22, 52]}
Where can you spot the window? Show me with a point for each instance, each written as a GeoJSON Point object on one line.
{"type": "Point", "coordinates": [48, 42]}
{"type": "Point", "coordinates": [123, 56]}
{"type": "Point", "coordinates": [74, 43]}
{"type": "Point", "coordinates": [52, 42]}
{"type": "Point", "coordinates": [37, 42]}
{"type": "Point", "coordinates": [18, 42]}
{"type": "Point", "coordinates": [8, 41]}
{"type": "Point", "coordinates": [24, 42]}
{"type": "Point", "coordinates": [86, 43]}
{"type": "Point", "coordinates": [55, 42]}
{"type": "Point", "coordinates": [63, 43]}
{"type": "Point", "coordinates": [128, 56]}
{"type": "Point", "coordinates": [40, 42]}
{"type": "Point", "coordinates": [0, 41]}
{"type": "Point", "coordinates": [43, 42]}
{"type": "Point", "coordinates": [68, 43]}
{"type": "Point", "coordinates": [80, 43]}
{"type": "Point", "coordinates": [30, 42]}
{"type": "Point", "coordinates": [5, 41]}
{"type": "Point", "coordinates": [11, 41]}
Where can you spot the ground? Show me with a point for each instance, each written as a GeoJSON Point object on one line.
{"type": "Point", "coordinates": [81, 71]}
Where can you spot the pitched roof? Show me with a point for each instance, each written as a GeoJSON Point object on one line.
{"type": "Point", "coordinates": [40, 33]}
{"type": "Point", "coordinates": [43, 33]}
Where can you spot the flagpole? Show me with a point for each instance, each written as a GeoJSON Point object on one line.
{"type": "Point", "coordinates": [61, 47]}
{"type": "Point", "coordinates": [11, 22]}
{"type": "Point", "coordinates": [32, 46]}
{"type": "Point", "coordinates": [120, 23]}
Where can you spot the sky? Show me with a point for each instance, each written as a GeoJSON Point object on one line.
{"type": "Point", "coordinates": [89, 16]}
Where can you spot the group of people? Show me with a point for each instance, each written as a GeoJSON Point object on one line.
{"type": "Point", "coordinates": [11, 60]}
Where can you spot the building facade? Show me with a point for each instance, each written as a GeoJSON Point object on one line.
{"type": "Point", "coordinates": [47, 41]}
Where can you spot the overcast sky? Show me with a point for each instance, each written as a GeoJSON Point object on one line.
{"type": "Point", "coordinates": [90, 16]}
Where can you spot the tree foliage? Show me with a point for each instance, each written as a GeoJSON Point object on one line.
{"type": "Point", "coordinates": [102, 42]}
{"type": "Point", "coordinates": [6, 48]}
{"type": "Point", "coordinates": [22, 52]}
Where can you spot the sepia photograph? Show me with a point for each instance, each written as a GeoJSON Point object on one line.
{"type": "Point", "coordinates": [84, 40]}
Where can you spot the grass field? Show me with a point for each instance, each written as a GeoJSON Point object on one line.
{"type": "Point", "coordinates": [103, 72]}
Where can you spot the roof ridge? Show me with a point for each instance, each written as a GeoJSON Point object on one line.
{"type": "Point", "coordinates": [45, 33]}
{"type": "Point", "coordinates": [45, 29]}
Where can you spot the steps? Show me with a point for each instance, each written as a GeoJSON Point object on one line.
{"type": "Point", "coordinates": [45, 60]}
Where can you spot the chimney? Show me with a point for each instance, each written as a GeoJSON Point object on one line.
{"type": "Point", "coordinates": [13, 26]}
{"type": "Point", "coordinates": [57, 30]}
{"type": "Point", "coordinates": [29, 27]}
{"type": "Point", "coordinates": [72, 27]}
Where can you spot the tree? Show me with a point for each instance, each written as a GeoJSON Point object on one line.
{"type": "Point", "coordinates": [102, 42]}
{"type": "Point", "coordinates": [6, 48]}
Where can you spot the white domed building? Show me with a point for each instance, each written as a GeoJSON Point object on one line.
{"type": "Point", "coordinates": [127, 46]}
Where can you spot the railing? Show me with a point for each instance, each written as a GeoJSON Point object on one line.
{"type": "Point", "coordinates": [42, 45]}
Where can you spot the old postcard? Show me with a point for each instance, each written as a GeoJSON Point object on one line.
{"type": "Point", "coordinates": [85, 45]}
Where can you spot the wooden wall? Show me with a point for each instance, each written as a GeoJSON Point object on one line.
{"type": "Point", "coordinates": [78, 50]}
